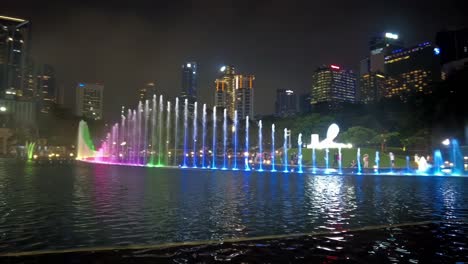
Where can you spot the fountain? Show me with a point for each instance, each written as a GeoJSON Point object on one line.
{"type": "Point", "coordinates": [408, 164]}
{"type": "Point", "coordinates": [176, 129]}
{"type": "Point", "coordinates": [299, 153]}
{"type": "Point", "coordinates": [160, 126]}
{"type": "Point", "coordinates": [314, 164]}
{"type": "Point", "coordinates": [456, 157]}
{"type": "Point", "coordinates": [285, 150]}
{"type": "Point", "coordinates": [273, 151]}
{"type": "Point", "coordinates": [438, 162]}
{"type": "Point", "coordinates": [327, 163]}
{"type": "Point", "coordinates": [85, 146]}
{"type": "Point", "coordinates": [203, 136]}
{"type": "Point", "coordinates": [377, 161]}
{"type": "Point", "coordinates": [184, 165]}
{"type": "Point", "coordinates": [213, 163]}
{"type": "Point", "coordinates": [30, 149]}
{"type": "Point", "coordinates": [358, 158]}
{"type": "Point", "coordinates": [234, 130]}
{"type": "Point", "coordinates": [260, 146]}
{"type": "Point", "coordinates": [224, 139]}
{"type": "Point", "coordinates": [194, 134]}
{"type": "Point", "coordinates": [247, 153]}
{"type": "Point", "coordinates": [168, 130]}
{"type": "Point", "coordinates": [340, 171]}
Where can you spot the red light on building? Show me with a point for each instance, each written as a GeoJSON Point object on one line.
{"type": "Point", "coordinates": [335, 67]}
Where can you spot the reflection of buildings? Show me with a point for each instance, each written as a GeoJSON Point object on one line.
{"type": "Point", "coordinates": [332, 85]}
{"type": "Point", "coordinates": [235, 92]}
{"type": "Point", "coordinates": [147, 92]}
{"type": "Point", "coordinates": [14, 51]}
{"type": "Point", "coordinates": [286, 103]}
{"type": "Point", "coordinates": [89, 100]}
{"type": "Point", "coordinates": [411, 70]}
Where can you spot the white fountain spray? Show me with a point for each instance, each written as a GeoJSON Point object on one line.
{"type": "Point", "coordinates": [204, 135]}
{"type": "Point", "coordinates": [224, 138]}
{"type": "Point", "coordinates": [299, 153]}
{"type": "Point", "coordinates": [235, 140]}
{"type": "Point", "coordinates": [168, 130]}
{"type": "Point", "coordinates": [246, 153]}
{"type": "Point", "coordinates": [273, 151]}
{"type": "Point", "coordinates": [260, 145]}
{"type": "Point", "coordinates": [160, 128]}
{"type": "Point", "coordinates": [195, 131]}
{"type": "Point", "coordinates": [176, 129]}
{"type": "Point", "coordinates": [185, 132]}
{"type": "Point", "coordinates": [213, 162]}
{"type": "Point", "coordinates": [285, 149]}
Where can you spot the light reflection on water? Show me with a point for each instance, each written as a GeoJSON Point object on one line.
{"type": "Point", "coordinates": [86, 205]}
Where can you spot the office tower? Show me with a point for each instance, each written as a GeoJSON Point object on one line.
{"type": "Point", "coordinates": [371, 87]}
{"type": "Point", "coordinates": [89, 100]}
{"type": "Point", "coordinates": [304, 103]}
{"type": "Point", "coordinates": [453, 48]}
{"type": "Point", "coordinates": [147, 92]}
{"type": "Point", "coordinates": [286, 103]}
{"type": "Point", "coordinates": [189, 81]}
{"type": "Point", "coordinates": [14, 51]}
{"type": "Point", "coordinates": [235, 92]}
{"type": "Point", "coordinates": [332, 85]}
{"type": "Point", "coordinates": [412, 70]}
{"type": "Point", "coordinates": [380, 46]}
{"type": "Point", "coordinates": [46, 88]}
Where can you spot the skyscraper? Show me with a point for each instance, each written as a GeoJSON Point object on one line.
{"type": "Point", "coordinates": [332, 85]}
{"type": "Point", "coordinates": [14, 51]}
{"type": "Point", "coordinates": [147, 92]}
{"type": "Point", "coordinates": [380, 46]}
{"type": "Point", "coordinates": [453, 48]}
{"type": "Point", "coordinates": [286, 103]}
{"type": "Point", "coordinates": [371, 87]}
{"type": "Point", "coordinates": [412, 70]}
{"type": "Point", "coordinates": [89, 100]}
{"type": "Point", "coordinates": [189, 81]}
{"type": "Point", "coordinates": [235, 92]}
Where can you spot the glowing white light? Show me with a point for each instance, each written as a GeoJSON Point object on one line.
{"type": "Point", "coordinates": [446, 142]}
{"type": "Point", "coordinates": [391, 35]}
{"type": "Point", "coordinates": [328, 142]}
{"type": "Point", "coordinates": [223, 68]}
{"type": "Point", "coordinates": [3, 109]}
{"type": "Point", "coordinates": [189, 65]}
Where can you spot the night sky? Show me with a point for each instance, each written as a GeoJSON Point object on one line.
{"type": "Point", "coordinates": [124, 44]}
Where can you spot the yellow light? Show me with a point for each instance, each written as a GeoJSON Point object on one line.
{"type": "Point", "coordinates": [35, 156]}
{"type": "Point", "coordinates": [12, 19]}
{"type": "Point", "coordinates": [71, 154]}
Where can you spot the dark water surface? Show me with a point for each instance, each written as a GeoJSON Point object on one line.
{"type": "Point", "coordinates": [88, 205]}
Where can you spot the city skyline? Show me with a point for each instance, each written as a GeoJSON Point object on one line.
{"type": "Point", "coordinates": [155, 51]}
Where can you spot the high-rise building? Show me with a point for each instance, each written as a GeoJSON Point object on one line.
{"type": "Point", "coordinates": [380, 46]}
{"type": "Point", "coordinates": [453, 48]}
{"type": "Point", "coordinates": [412, 70]}
{"type": "Point", "coordinates": [89, 100]}
{"type": "Point", "coordinates": [147, 92]}
{"type": "Point", "coordinates": [371, 87]}
{"type": "Point", "coordinates": [235, 92]}
{"type": "Point", "coordinates": [14, 51]}
{"type": "Point", "coordinates": [332, 85]}
{"type": "Point", "coordinates": [46, 88]}
{"type": "Point", "coordinates": [286, 103]}
{"type": "Point", "coordinates": [189, 81]}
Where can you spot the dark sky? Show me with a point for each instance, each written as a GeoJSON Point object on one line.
{"type": "Point", "coordinates": [124, 44]}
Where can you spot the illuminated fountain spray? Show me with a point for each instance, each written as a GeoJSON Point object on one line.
{"type": "Point", "coordinates": [377, 162]}
{"type": "Point", "coordinates": [204, 135]}
{"type": "Point", "coordinates": [358, 158]}
{"type": "Point", "coordinates": [185, 133]}
{"type": "Point", "coordinates": [160, 130]}
{"type": "Point", "coordinates": [339, 161]}
{"type": "Point", "coordinates": [138, 131]}
{"type": "Point", "coordinates": [438, 162]}
{"type": "Point", "coordinates": [327, 164]}
{"type": "Point", "coordinates": [213, 165]}
{"type": "Point", "coordinates": [299, 152]}
{"type": "Point", "coordinates": [168, 130]}
{"type": "Point", "coordinates": [224, 138]}
{"type": "Point", "coordinates": [176, 129]}
{"type": "Point", "coordinates": [285, 150]}
{"type": "Point", "coordinates": [246, 153]}
{"type": "Point", "coordinates": [145, 137]}
{"type": "Point", "coordinates": [30, 149]}
{"type": "Point", "coordinates": [234, 130]}
{"type": "Point", "coordinates": [456, 158]}
{"type": "Point", "coordinates": [85, 146]}
{"type": "Point", "coordinates": [153, 129]}
{"type": "Point", "coordinates": [122, 141]}
{"type": "Point", "coordinates": [407, 164]}
{"type": "Point", "coordinates": [260, 145]}
{"type": "Point", "coordinates": [273, 153]}
{"type": "Point", "coordinates": [195, 131]}
{"type": "Point", "coordinates": [314, 161]}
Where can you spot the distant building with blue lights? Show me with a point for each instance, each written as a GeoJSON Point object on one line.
{"type": "Point", "coordinates": [89, 101]}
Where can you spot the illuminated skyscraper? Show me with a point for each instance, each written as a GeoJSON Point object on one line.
{"type": "Point", "coordinates": [371, 87]}
{"type": "Point", "coordinates": [332, 85]}
{"type": "Point", "coordinates": [286, 103]}
{"type": "Point", "coordinates": [412, 70]}
{"type": "Point", "coordinates": [147, 92]}
{"type": "Point", "coordinates": [189, 81]}
{"type": "Point", "coordinates": [89, 100]}
{"type": "Point", "coordinates": [380, 46]}
{"type": "Point", "coordinates": [14, 51]}
{"type": "Point", "coordinates": [235, 92]}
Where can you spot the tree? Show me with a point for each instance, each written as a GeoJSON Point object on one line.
{"type": "Point", "coordinates": [358, 135]}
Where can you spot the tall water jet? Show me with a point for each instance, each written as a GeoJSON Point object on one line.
{"type": "Point", "coordinates": [377, 162]}
{"type": "Point", "coordinates": [213, 162]}
{"type": "Point", "coordinates": [358, 158]}
{"type": "Point", "coordinates": [224, 137]}
{"type": "Point", "coordinates": [145, 141]}
{"type": "Point", "coordinates": [456, 157]}
{"type": "Point", "coordinates": [260, 145]}
{"type": "Point", "coordinates": [195, 132]}
{"type": "Point", "coordinates": [176, 129]}
{"type": "Point", "coordinates": [30, 150]}
{"type": "Point", "coordinates": [299, 153]}
{"type": "Point", "coordinates": [407, 164]}
{"type": "Point", "coordinates": [154, 112]}
{"type": "Point", "coordinates": [246, 153]}
{"type": "Point", "coordinates": [234, 130]}
{"type": "Point", "coordinates": [314, 161]}
{"type": "Point", "coordinates": [184, 165]}
{"type": "Point", "coordinates": [273, 151]}
{"type": "Point", "coordinates": [85, 146]}
{"type": "Point", "coordinates": [438, 162]}
{"type": "Point", "coordinates": [122, 140]}
{"type": "Point", "coordinates": [160, 130]}
{"type": "Point", "coordinates": [339, 161]}
{"type": "Point", "coordinates": [138, 128]}
{"type": "Point", "coordinates": [285, 150]}
{"type": "Point", "coordinates": [168, 130]}
{"type": "Point", "coordinates": [203, 136]}
{"type": "Point", "coordinates": [327, 160]}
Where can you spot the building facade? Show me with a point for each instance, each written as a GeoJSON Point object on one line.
{"type": "Point", "coordinates": [189, 81]}
{"type": "Point", "coordinates": [147, 92]}
{"type": "Point", "coordinates": [89, 100]}
{"type": "Point", "coordinates": [412, 70]}
{"type": "Point", "coordinates": [453, 48]}
{"type": "Point", "coordinates": [332, 85]}
{"type": "Point", "coordinates": [14, 52]}
{"type": "Point", "coordinates": [235, 92]}
{"type": "Point", "coordinates": [371, 87]}
{"type": "Point", "coordinates": [287, 103]}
